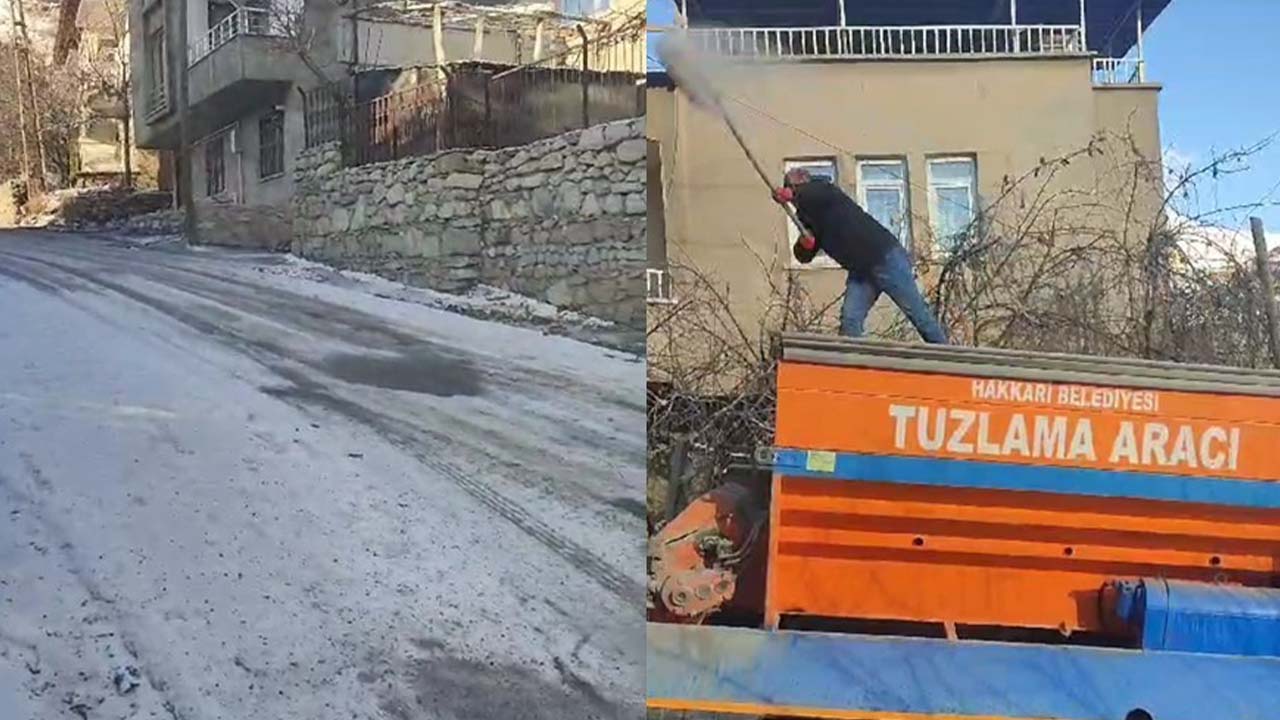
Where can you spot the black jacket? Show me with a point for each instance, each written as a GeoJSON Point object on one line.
{"type": "Point", "coordinates": [844, 231]}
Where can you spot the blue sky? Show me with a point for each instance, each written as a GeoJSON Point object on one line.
{"type": "Point", "coordinates": [1220, 92]}
{"type": "Point", "coordinates": [1218, 65]}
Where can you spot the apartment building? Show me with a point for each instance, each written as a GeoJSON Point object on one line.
{"type": "Point", "coordinates": [250, 65]}
{"type": "Point", "coordinates": [89, 43]}
{"type": "Point", "coordinates": [930, 114]}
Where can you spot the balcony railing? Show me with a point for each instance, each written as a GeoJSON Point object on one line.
{"type": "Point", "coordinates": [157, 101]}
{"type": "Point", "coordinates": [923, 41]}
{"type": "Point", "coordinates": [1119, 71]}
{"type": "Point", "coordinates": [245, 21]}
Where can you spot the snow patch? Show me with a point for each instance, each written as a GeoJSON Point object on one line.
{"type": "Point", "coordinates": [483, 301]}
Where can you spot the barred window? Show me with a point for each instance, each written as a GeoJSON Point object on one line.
{"type": "Point", "coordinates": [271, 145]}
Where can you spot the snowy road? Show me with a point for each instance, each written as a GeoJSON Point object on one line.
{"type": "Point", "coordinates": [279, 498]}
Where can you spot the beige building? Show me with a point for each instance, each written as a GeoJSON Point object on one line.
{"type": "Point", "coordinates": [946, 134]}
{"type": "Point", "coordinates": [90, 43]}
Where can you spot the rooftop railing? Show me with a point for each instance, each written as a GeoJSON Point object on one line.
{"type": "Point", "coordinates": [931, 41]}
{"type": "Point", "coordinates": [1119, 71]}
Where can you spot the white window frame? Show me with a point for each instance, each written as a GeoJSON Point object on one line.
{"type": "Point", "coordinates": [822, 261]}
{"type": "Point", "coordinates": [659, 289]}
{"type": "Point", "coordinates": [972, 186]}
{"type": "Point", "coordinates": [903, 186]}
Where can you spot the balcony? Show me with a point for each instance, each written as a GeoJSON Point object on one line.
{"type": "Point", "coordinates": [891, 42]}
{"type": "Point", "coordinates": [1119, 71]}
{"type": "Point", "coordinates": [242, 65]}
{"type": "Point", "coordinates": [245, 22]}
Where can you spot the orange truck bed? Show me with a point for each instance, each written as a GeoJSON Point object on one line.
{"type": "Point", "coordinates": [993, 488]}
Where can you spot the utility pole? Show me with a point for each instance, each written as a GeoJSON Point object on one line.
{"type": "Point", "coordinates": [1261, 264]}
{"type": "Point", "coordinates": [22, 58]}
{"type": "Point", "coordinates": [177, 61]}
{"type": "Point", "coordinates": [127, 107]}
{"type": "Point", "coordinates": [22, 113]}
{"type": "Point", "coordinates": [36, 125]}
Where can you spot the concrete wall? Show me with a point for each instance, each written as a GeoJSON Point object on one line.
{"type": "Point", "coordinates": [562, 219]}
{"type": "Point", "coordinates": [384, 44]}
{"type": "Point", "coordinates": [252, 211]}
{"type": "Point", "coordinates": [1008, 114]}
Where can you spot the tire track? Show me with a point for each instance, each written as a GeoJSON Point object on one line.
{"type": "Point", "coordinates": [318, 315]}
{"type": "Point", "coordinates": [275, 358]}
{"type": "Point", "coordinates": [597, 455]}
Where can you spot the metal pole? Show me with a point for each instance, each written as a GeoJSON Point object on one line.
{"type": "Point", "coordinates": [844, 20]}
{"type": "Point", "coordinates": [1013, 22]}
{"type": "Point", "coordinates": [679, 461]}
{"type": "Point", "coordinates": [22, 113]}
{"type": "Point", "coordinates": [1142, 63]}
{"type": "Point", "coordinates": [490, 136]}
{"type": "Point", "coordinates": [1084, 37]}
{"type": "Point", "coordinates": [178, 61]}
{"type": "Point", "coordinates": [586, 66]}
{"type": "Point", "coordinates": [477, 49]}
{"type": "Point", "coordinates": [1260, 259]}
{"type": "Point", "coordinates": [437, 39]}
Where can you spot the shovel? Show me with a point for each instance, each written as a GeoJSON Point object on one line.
{"type": "Point", "coordinates": [685, 64]}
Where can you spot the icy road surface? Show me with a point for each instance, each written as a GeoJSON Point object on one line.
{"type": "Point", "coordinates": [276, 498]}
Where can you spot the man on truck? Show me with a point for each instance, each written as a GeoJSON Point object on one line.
{"type": "Point", "coordinates": [875, 260]}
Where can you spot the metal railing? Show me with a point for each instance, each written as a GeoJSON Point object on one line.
{"type": "Point", "coordinates": [245, 21]}
{"type": "Point", "coordinates": [157, 101]}
{"type": "Point", "coordinates": [401, 124]}
{"type": "Point", "coordinates": [924, 41]}
{"type": "Point", "coordinates": [1119, 71]}
{"type": "Point", "coordinates": [473, 106]}
{"type": "Point", "coordinates": [658, 288]}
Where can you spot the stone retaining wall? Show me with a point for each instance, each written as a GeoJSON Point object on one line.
{"type": "Point", "coordinates": [561, 219]}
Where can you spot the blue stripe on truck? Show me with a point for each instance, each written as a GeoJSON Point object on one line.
{"type": "Point", "coordinates": [1038, 478]}
{"type": "Point", "coordinates": [827, 675]}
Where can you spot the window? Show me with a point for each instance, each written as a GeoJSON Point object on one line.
{"type": "Point", "coordinates": [215, 168]}
{"type": "Point", "coordinates": [817, 167]}
{"type": "Point", "coordinates": [952, 199]}
{"type": "Point", "coordinates": [271, 144]}
{"type": "Point", "coordinates": [882, 192]}
{"type": "Point", "coordinates": [156, 75]}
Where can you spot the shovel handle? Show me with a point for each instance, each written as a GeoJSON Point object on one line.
{"type": "Point", "coordinates": [764, 177]}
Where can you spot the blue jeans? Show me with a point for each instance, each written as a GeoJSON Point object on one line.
{"type": "Point", "coordinates": [894, 277]}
